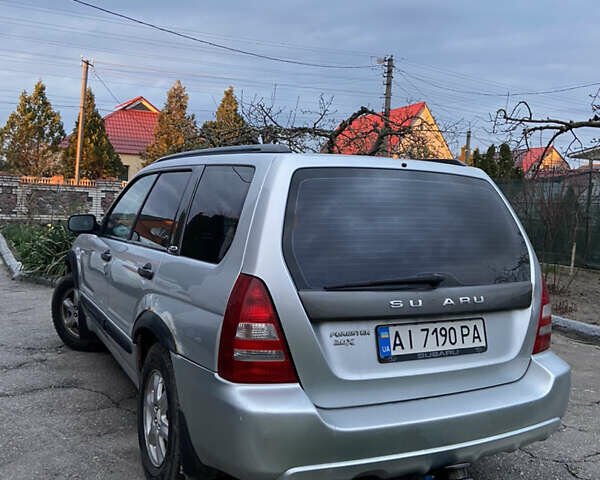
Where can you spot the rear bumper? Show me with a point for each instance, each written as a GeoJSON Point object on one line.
{"type": "Point", "coordinates": [269, 432]}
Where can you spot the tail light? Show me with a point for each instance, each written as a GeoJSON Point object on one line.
{"type": "Point", "coordinates": [544, 330]}
{"type": "Point", "coordinates": [252, 347]}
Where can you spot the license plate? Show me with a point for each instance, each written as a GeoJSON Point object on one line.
{"type": "Point", "coordinates": [415, 341]}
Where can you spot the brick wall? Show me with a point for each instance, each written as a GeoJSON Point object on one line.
{"type": "Point", "coordinates": [46, 203]}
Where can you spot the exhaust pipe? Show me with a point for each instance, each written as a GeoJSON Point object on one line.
{"type": "Point", "coordinates": [458, 472]}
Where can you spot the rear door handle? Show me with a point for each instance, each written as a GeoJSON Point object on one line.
{"type": "Point", "coordinates": [106, 256]}
{"type": "Point", "coordinates": [146, 271]}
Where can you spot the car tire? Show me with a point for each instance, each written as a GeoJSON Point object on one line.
{"type": "Point", "coordinates": [158, 417]}
{"type": "Point", "coordinates": [162, 457]}
{"type": "Point", "coordinates": [68, 319]}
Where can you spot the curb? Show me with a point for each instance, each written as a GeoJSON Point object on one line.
{"type": "Point", "coordinates": [584, 331]}
{"type": "Point", "coordinates": [15, 267]}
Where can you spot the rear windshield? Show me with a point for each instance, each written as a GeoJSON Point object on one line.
{"type": "Point", "coordinates": [354, 225]}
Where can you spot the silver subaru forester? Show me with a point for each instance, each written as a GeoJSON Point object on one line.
{"type": "Point", "coordinates": [291, 316]}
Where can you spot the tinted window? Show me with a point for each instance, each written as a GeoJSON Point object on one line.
{"type": "Point", "coordinates": [215, 212]}
{"type": "Point", "coordinates": [346, 225]}
{"type": "Point", "coordinates": [121, 218]}
{"type": "Point", "coordinates": [155, 222]}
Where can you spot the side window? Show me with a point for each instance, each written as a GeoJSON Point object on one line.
{"type": "Point", "coordinates": [155, 222]}
{"type": "Point", "coordinates": [215, 212]}
{"type": "Point", "coordinates": [120, 221]}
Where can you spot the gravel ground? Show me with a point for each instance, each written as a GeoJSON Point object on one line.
{"type": "Point", "coordinates": [581, 301]}
{"type": "Point", "coordinates": [66, 414]}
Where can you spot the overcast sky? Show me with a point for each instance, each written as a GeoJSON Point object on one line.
{"type": "Point", "coordinates": [464, 58]}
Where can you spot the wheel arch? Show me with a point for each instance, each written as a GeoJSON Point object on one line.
{"type": "Point", "coordinates": [72, 268]}
{"type": "Point", "coordinates": [148, 329]}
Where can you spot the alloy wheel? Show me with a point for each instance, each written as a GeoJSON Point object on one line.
{"type": "Point", "coordinates": [70, 313]}
{"type": "Point", "coordinates": [156, 418]}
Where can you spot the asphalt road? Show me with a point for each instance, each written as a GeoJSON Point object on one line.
{"type": "Point", "coordinates": [66, 414]}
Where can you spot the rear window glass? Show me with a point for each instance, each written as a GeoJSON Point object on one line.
{"type": "Point", "coordinates": [354, 225]}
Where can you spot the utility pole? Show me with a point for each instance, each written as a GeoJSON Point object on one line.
{"type": "Point", "coordinates": [468, 147]}
{"type": "Point", "coordinates": [588, 232]}
{"type": "Point", "coordinates": [86, 63]}
{"type": "Point", "coordinates": [388, 99]}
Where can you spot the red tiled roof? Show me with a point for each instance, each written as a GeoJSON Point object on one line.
{"type": "Point", "coordinates": [130, 131]}
{"type": "Point", "coordinates": [347, 142]}
{"type": "Point", "coordinates": [526, 158]}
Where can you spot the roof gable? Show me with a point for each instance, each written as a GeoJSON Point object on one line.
{"type": "Point", "coordinates": [526, 158]}
{"type": "Point", "coordinates": [137, 103]}
{"type": "Point", "coordinates": [360, 133]}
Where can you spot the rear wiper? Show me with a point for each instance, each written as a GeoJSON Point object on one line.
{"type": "Point", "coordinates": [431, 279]}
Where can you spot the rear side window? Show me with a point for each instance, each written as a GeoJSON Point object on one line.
{"type": "Point", "coordinates": [120, 221]}
{"type": "Point", "coordinates": [215, 212]}
{"type": "Point", "coordinates": [354, 225]}
{"type": "Point", "coordinates": [155, 223]}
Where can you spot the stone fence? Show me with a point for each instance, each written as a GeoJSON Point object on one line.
{"type": "Point", "coordinates": [22, 199]}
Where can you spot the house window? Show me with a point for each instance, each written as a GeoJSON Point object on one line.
{"type": "Point", "coordinates": [125, 174]}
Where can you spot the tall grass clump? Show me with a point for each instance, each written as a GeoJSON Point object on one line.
{"type": "Point", "coordinates": [41, 249]}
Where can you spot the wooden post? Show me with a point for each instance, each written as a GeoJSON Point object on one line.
{"type": "Point", "coordinates": [388, 103]}
{"type": "Point", "coordinates": [86, 64]}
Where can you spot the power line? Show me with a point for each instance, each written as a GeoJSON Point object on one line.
{"type": "Point", "coordinates": [71, 13]}
{"type": "Point", "coordinates": [448, 109]}
{"type": "Point", "coordinates": [550, 101]}
{"type": "Point", "coordinates": [14, 104]}
{"type": "Point", "coordinates": [460, 97]}
{"type": "Point", "coordinates": [559, 90]}
{"type": "Point", "coordinates": [494, 94]}
{"type": "Point", "coordinates": [501, 95]}
{"type": "Point", "coordinates": [154, 56]}
{"type": "Point", "coordinates": [127, 70]}
{"type": "Point", "coordinates": [476, 79]}
{"type": "Point", "coordinates": [217, 45]}
{"type": "Point", "coordinates": [106, 86]}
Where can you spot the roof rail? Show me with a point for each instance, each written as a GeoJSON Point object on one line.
{"type": "Point", "coordinates": [449, 161]}
{"type": "Point", "coordinates": [261, 148]}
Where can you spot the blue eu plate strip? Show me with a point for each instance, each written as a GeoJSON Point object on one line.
{"type": "Point", "coordinates": [385, 350]}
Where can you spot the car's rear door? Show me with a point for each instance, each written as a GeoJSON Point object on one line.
{"type": "Point", "coordinates": [194, 285]}
{"type": "Point", "coordinates": [408, 284]}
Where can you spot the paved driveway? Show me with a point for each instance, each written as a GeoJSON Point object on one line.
{"type": "Point", "coordinates": [66, 414]}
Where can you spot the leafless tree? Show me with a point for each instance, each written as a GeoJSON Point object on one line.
{"type": "Point", "coordinates": [520, 124]}
{"type": "Point", "coordinates": [364, 132]}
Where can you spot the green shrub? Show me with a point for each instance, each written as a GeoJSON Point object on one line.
{"type": "Point", "coordinates": [41, 249]}
{"type": "Point", "coordinates": [18, 234]}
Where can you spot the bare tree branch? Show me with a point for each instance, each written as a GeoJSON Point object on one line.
{"type": "Point", "coordinates": [509, 123]}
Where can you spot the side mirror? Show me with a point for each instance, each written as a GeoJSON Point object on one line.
{"type": "Point", "coordinates": [83, 223]}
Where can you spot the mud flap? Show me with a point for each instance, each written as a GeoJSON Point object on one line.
{"type": "Point", "coordinates": [189, 459]}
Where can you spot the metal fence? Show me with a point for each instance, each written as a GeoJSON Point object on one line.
{"type": "Point", "coordinates": [561, 215]}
